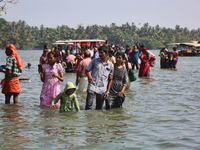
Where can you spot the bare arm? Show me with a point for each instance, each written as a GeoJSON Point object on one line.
{"type": "Point", "coordinates": [42, 76]}
{"type": "Point", "coordinates": [120, 94]}
{"type": "Point", "coordinates": [24, 78]}
{"type": "Point", "coordinates": [2, 71]}
{"type": "Point", "coordinates": [90, 79]}
{"type": "Point", "coordinates": [110, 78]}
{"type": "Point", "coordinates": [60, 76]}
{"type": "Point", "coordinates": [77, 77]}
{"type": "Point", "coordinates": [131, 60]}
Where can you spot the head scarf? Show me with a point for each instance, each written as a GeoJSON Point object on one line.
{"type": "Point", "coordinates": [15, 56]}
{"type": "Point", "coordinates": [29, 63]}
{"type": "Point", "coordinates": [144, 49]}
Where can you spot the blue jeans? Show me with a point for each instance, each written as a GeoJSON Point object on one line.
{"type": "Point", "coordinates": [90, 99]}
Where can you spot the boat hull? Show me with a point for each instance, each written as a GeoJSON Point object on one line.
{"type": "Point", "coordinates": [188, 54]}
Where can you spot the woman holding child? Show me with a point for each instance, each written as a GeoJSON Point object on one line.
{"type": "Point", "coordinates": [119, 83]}
{"type": "Point", "coordinates": [50, 75]}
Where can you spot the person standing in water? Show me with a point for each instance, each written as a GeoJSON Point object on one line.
{"type": "Point", "coordinates": [116, 95]}
{"type": "Point", "coordinates": [144, 66]}
{"type": "Point", "coordinates": [173, 59]}
{"type": "Point", "coordinates": [134, 57]}
{"type": "Point", "coordinates": [67, 99]}
{"type": "Point", "coordinates": [100, 79]}
{"type": "Point", "coordinates": [50, 75]}
{"type": "Point", "coordinates": [81, 77]}
{"type": "Point", "coordinates": [14, 66]}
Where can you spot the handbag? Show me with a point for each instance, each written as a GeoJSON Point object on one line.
{"type": "Point", "coordinates": [132, 75]}
{"type": "Point", "coordinates": [152, 62]}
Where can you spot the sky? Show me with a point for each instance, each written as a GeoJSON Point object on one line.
{"type": "Point", "coordinates": [53, 13]}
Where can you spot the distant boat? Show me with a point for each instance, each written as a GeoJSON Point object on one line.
{"type": "Point", "coordinates": [76, 43]}
{"type": "Point", "coordinates": [187, 49]}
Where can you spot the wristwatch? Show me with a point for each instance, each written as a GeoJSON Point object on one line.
{"type": "Point", "coordinates": [107, 92]}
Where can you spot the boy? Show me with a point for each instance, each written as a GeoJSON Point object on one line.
{"type": "Point", "coordinates": [67, 99]}
{"type": "Point", "coordinates": [28, 65]}
{"type": "Point", "coordinates": [111, 57]}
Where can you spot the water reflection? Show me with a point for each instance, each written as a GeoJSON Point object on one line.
{"type": "Point", "coordinates": [159, 112]}
{"type": "Point", "coordinates": [105, 124]}
{"type": "Point", "coordinates": [11, 130]}
{"type": "Point", "coordinates": [146, 81]}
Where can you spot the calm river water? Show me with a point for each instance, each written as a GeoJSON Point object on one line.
{"type": "Point", "coordinates": [161, 112]}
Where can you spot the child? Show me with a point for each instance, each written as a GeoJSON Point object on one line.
{"type": "Point", "coordinates": [67, 99]}
{"type": "Point", "coordinates": [111, 57]}
{"type": "Point", "coordinates": [64, 65]}
{"type": "Point", "coordinates": [28, 65]}
{"type": "Point", "coordinates": [14, 66]}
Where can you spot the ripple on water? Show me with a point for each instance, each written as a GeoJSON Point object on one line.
{"type": "Point", "coordinates": [160, 112]}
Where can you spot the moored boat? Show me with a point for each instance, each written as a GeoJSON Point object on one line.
{"type": "Point", "coordinates": [187, 49]}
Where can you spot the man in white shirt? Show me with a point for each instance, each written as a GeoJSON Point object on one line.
{"type": "Point", "coordinates": [91, 50]}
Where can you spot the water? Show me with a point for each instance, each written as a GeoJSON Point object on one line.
{"type": "Point", "coordinates": [160, 112]}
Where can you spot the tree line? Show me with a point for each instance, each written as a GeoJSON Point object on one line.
{"type": "Point", "coordinates": [24, 36]}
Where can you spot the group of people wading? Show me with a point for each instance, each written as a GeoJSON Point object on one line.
{"type": "Point", "coordinates": [102, 72]}
{"type": "Point", "coordinates": [168, 59]}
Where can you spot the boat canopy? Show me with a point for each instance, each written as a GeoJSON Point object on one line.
{"type": "Point", "coordinates": [190, 44]}
{"type": "Point", "coordinates": [63, 42]}
{"type": "Point", "coordinates": [57, 43]}
{"type": "Point", "coordinates": [86, 40]}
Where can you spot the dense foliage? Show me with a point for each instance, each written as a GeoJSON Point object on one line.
{"type": "Point", "coordinates": [24, 36]}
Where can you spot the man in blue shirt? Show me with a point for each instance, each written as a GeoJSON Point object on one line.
{"type": "Point", "coordinates": [134, 57]}
{"type": "Point", "coordinates": [100, 79]}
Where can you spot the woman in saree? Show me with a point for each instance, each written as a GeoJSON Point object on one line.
{"type": "Point", "coordinates": [144, 66]}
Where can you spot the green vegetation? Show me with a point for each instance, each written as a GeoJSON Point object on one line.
{"type": "Point", "coordinates": [24, 36]}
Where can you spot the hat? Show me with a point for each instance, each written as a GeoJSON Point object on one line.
{"type": "Point", "coordinates": [29, 63]}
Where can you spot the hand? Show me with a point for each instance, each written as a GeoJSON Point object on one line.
{"type": "Point", "coordinates": [54, 75]}
{"type": "Point", "coordinates": [41, 73]}
{"type": "Point", "coordinates": [77, 82]}
{"type": "Point", "coordinates": [90, 80]}
{"type": "Point", "coordinates": [106, 95]}
{"type": "Point", "coordinates": [52, 106]}
{"type": "Point", "coordinates": [120, 94]}
{"type": "Point", "coordinates": [3, 66]}
{"type": "Point", "coordinates": [28, 78]}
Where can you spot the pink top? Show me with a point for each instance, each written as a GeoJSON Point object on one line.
{"type": "Point", "coordinates": [82, 66]}
{"type": "Point", "coordinates": [69, 58]}
{"type": "Point", "coordinates": [51, 85]}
